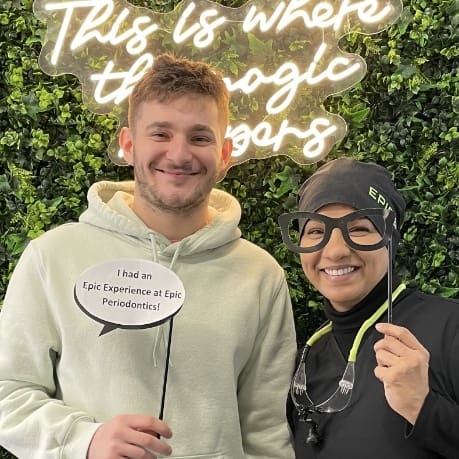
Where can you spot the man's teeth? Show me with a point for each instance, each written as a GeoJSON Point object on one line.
{"type": "Point", "coordinates": [340, 271]}
{"type": "Point", "coordinates": [177, 172]}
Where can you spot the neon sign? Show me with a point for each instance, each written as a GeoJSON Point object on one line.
{"type": "Point", "coordinates": [281, 60]}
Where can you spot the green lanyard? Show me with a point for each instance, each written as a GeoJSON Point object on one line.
{"type": "Point", "coordinates": [365, 326]}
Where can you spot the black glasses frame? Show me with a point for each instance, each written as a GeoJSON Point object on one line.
{"type": "Point", "coordinates": [332, 223]}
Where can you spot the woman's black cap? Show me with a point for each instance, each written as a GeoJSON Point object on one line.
{"type": "Point", "coordinates": [355, 183]}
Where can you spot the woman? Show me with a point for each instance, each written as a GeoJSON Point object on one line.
{"type": "Point", "coordinates": [364, 387]}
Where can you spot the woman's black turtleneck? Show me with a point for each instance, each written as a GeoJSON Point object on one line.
{"type": "Point", "coordinates": [346, 324]}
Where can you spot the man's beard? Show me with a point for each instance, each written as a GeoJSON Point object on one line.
{"type": "Point", "coordinates": [149, 192]}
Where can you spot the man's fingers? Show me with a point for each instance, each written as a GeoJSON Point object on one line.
{"type": "Point", "coordinates": [148, 424]}
{"type": "Point", "coordinates": [153, 445]}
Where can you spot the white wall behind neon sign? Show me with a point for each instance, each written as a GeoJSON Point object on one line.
{"type": "Point", "coordinates": [281, 60]}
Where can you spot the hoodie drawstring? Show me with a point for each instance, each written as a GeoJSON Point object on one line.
{"type": "Point", "coordinates": [160, 335]}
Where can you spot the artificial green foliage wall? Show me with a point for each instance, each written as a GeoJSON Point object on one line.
{"type": "Point", "coordinates": [403, 115]}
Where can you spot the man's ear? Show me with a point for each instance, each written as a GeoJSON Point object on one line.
{"type": "Point", "coordinates": [225, 163]}
{"type": "Point", "coordinates": [126, 143]}
{"type": "Point", "coordinates": [227, 149]}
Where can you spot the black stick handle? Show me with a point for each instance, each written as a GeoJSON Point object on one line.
{"type": "Point", "coordinates": [389, 282]}
{"type": "Point", "coordinates": [166, 370]}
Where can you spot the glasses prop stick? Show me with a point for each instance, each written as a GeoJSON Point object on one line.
{"type": "Point", "coordinates": [389, 281]}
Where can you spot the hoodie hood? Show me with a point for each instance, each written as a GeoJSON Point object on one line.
{"type": "Point", "coordinates": [110, 208]}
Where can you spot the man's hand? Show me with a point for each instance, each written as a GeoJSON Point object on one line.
{"type": "Point", "coordinates": [130, 436]}
{"type": "Point", "coordinates": [403, 368]}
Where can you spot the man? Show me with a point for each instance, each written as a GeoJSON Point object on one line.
{"type": "Point", "coordinates": [68, 393]}
{"type": "Point", "coordinates": [364, 388]}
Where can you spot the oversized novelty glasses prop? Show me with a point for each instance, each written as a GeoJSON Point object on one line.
{"type": "Point", "coordinates": [307, 232]}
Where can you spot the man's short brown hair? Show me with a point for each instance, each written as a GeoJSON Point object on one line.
{"type": "Point", "coordinates": [171, 77]}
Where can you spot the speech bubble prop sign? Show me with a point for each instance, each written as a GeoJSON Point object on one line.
{"type": "Point", "coordinates": [281, 60]}
{"type": "Point", "coordinates": [129, 293]}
